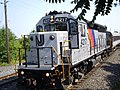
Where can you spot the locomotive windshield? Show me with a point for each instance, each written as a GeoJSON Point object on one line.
{"type": "Point", "coordinates": [53, 24]}
{"type": "Point", "coordinates": [56, 27]}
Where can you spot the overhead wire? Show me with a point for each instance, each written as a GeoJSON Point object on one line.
{"type": "Point", "coordinates": [39, 7]}
{"type": "Point", "coordinates": [26, 7]}
{"type": "Point", "coordinates": [19, 6]}
{"type": "Point", "coordinates": [22, 7]}
{"type": "Point", "coordinates": [27, 10]}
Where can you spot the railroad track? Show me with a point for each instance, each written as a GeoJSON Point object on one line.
{"type": "Point", "coordinates": [12, 77]}
{"type": "Point", "coordinates": [90, 73]}
{"type": "Point", "coordinates": [8, 78]}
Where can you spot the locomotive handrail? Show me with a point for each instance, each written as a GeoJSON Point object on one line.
{"type": "Point", "coordinates": [68, 61]}
{"type": "Point", "coordinates": [60, 60]}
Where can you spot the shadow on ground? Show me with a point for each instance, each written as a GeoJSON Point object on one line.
{"type": "Point", "coordinates": [114, 77]}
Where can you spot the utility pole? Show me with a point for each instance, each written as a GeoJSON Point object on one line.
{"type": "Point", "coordinates": [7, 37]}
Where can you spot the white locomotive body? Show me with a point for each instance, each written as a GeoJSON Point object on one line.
{"type": "Point", "coordinates": [61, 48]}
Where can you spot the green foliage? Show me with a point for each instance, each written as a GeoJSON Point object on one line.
{"type": "Point", "coordinates": [14, 44]}
{"type": "Point", "coordinates": [103, 7]}
{"type": "Point", "coordinates": [24, 41]}
{"type": "Point", "coordinates": [117, 86]}
{"type": "Point", "coordinates": [4, 64]}
{"type": "Point", "coordinates": [3, 53]}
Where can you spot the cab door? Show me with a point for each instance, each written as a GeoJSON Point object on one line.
{"type": "Point", "coordinates": [84, 45]}
{"type": "Point", "coordinates": [73, 34]}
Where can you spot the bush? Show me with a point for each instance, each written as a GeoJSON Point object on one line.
{"type": "Point", "coordinates": [14, 44]}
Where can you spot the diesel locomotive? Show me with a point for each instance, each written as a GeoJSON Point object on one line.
{"type": "Point", "coordinates": [62, 49]}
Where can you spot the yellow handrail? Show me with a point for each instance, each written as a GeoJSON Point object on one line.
{"type": "Point", "coordinates": [60, 61]}
{"type": "Point", "coordinates": [68, 61]}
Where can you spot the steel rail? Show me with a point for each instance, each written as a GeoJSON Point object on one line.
{"type": "Point", "coordinates": [8, 78]}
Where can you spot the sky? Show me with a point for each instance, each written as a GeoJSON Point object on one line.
{"type": "Point", "coordinates": [23, 15]}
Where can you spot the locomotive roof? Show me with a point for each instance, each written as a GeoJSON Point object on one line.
{"type": "Point", "coordinates": [99, 27]}
{"type": "Point", "coordinates": [60, 14]}
{"type": "Point", "coordinates": [56, 14]}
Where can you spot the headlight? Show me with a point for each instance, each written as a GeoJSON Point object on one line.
{"type": "Point", "coordinates": [47, 74]}
{"type": "Point", "coordinates": [52, 19]}
{"type": "Point", "coordinates": [22, 72]}
{"type": "Point", "coordinates": [52, 37]}
{"type": "Point", "coordinates": [53, 84]}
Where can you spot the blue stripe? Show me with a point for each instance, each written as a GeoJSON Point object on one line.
{"type": "Point", "coordinates": [93, 33]}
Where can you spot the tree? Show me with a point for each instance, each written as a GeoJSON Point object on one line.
{"type": "Point", "coordinates": [13, 42]}
{"type": "Point", "coordinates": [3, 52]}
{"type": "Point", "coordinates": [103, 7]}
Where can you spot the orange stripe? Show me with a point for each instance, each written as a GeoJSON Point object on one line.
{"type": "Point", "coordinates": [91, 37]}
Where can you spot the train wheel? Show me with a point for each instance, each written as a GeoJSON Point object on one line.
{"type": "Point", "coordinates": [72, 80]}
{"type": "Point", "coordinates": [108, 52]}
{"type": "Point", "coordinates": [89, 66]}
{"type": "Point", "coordinates": [106, 55]}
{"type": "Point", "coordinates": [58, 83]}
{"type": "Point", "coordinates": [83, 68]}
{"type": "Point", "coordinates": [74, 76]}
{"type": "Point", "coordinates": [28, 82]}
{"type": "Point", "coordinates": [102, 57]}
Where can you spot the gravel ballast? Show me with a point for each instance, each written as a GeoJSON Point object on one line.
{"type": "Point", "coordinates": [6, 70]}
{"type": "Point", "coordinates": [106, 76]}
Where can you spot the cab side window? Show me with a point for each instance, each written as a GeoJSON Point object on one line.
{"type": "Point", "coordinates": [73, 28]}
{"type": "Point", "coordinates": [39, 28]}
{"type": "Point", "coordinates": [83, 31]}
